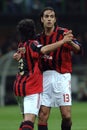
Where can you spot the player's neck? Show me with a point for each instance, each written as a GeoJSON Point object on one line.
{"type": "Point", "coordinates": [49, 31]}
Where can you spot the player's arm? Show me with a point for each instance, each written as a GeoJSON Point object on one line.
{"type": "Point", "coordinates": [76, 46]}
{"type": "Point", "coordinates": [74, 43]}
{"type": "Point", "coordinates": [48, 48]}
{"type": "Point", "coordinates": [17, 55]}
{"type": "Point", "coordinates": [52, 47]}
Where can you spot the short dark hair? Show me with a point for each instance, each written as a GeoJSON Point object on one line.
{"type": "Point", "coordinates": [26, 29]}
{"type": "Point", "coordinates": [45, 9]}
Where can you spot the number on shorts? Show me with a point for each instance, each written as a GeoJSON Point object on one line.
{"type": "Point", "coordinates": [66, 97]}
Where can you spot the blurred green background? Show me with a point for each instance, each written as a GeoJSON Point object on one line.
{"type": "Point", "coordinates": [10, 117]}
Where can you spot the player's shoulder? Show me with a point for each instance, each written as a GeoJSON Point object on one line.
{"type": "Point", "coordinates": [35, 46]}
{"type": "Point", "coordinates": [35, 42]}
{"type": "Point", "coordinates": [60, 30]}
{"type": "Point", "coordinates": [63, 29]}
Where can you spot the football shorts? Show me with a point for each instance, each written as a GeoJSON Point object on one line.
{"type": "Point", "coordinates": [29, 104]}
{"type": "Point", "coordinates": [56, 89]}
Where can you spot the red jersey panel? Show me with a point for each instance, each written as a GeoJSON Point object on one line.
{"type": "Point", "coordinates": [29, 78]}
{"type": "Point", "coordinates": [59, 60]}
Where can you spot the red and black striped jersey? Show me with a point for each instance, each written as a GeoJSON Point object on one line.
{"type": "Point", "coordinates": [60, 59]}
{"type": "Point", "coordinates": [29, 78]}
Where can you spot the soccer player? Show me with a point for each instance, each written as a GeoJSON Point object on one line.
{"type": "Point", "coordinates": [29, 80]}
{"type": "Point", "coordinates": [57, 69]}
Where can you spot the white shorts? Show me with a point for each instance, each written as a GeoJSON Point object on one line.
{"type": "Point", "coordinates": [30, 104]}
{"type": "Point", "coordinates": [56, 89]}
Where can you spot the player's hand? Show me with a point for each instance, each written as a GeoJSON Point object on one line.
{"type": "Point", "coordinates": [68, 36]}
{"type": "Point", "coordinates": [17, 56]}
{"type": "Point", "coordinates": [68, 32]}
{"type": "Point", "coordinates": [22, 50]}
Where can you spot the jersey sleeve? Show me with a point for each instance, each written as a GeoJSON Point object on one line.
{"type": "Point", "coordinates": [36, 46]}
{"type": "Point", "coordinates": [79, 44]}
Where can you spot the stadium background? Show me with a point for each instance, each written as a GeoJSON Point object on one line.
{"type": "Point", "coordinates": [70, 13]}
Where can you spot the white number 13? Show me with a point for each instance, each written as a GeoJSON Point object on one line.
{"type": "Point", "coordinates": [66, 97]}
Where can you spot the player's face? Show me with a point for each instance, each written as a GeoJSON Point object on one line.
{"type": "Point", "coordinates": [48, 19]}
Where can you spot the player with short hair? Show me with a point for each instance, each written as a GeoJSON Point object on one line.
{"type": "Point", "coordinates": [29, 80]}
{"type": "Point", "coordinates": [57, 68]}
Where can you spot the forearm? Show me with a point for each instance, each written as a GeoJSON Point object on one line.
{"type": "Point", "coordinates": [67, 38]}
{"type": "Point", "coordinates": [52, 47]}
{"type": "Point", "coordinates": [75, 46]}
